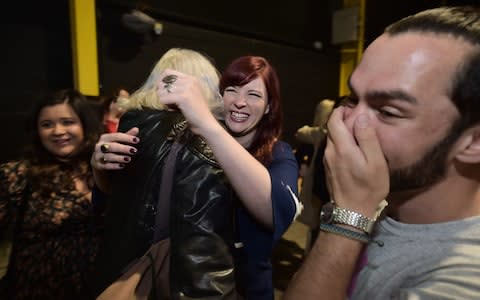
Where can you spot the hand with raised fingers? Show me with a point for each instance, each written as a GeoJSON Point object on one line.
{"type": "Point", "coordinates": [184, 92]}
{"type": "Point", "coordinates": [356, 168]}
{"type": "Point", "coordinates": [114, 150]}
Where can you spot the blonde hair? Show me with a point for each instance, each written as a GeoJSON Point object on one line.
{"type": "Point", "coordinates": [186, 61]}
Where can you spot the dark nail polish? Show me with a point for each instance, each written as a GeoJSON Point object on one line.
{"type": "Point", "coordinates": [126, 158]}
{"type": "Point", "coordinates": [121, 165]}
{"type": "Point", "coordinates": [133, 150]}
{"type": "Point", "coordinates": [135, 140]}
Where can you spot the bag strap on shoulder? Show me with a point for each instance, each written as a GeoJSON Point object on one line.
{"type": "Point", "coordinates": [162, 217]}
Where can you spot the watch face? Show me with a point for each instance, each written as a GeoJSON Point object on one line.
{"type": "Point", "coordinates": [326, 214]}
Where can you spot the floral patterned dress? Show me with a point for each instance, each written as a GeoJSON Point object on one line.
{"type": "Point", "coordinates": [57, 241]}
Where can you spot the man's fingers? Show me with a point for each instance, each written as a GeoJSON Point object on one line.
{"type": "Point", "coordinates": [337, 131]}
{"type": "Point", "coordinates": [367, 138]}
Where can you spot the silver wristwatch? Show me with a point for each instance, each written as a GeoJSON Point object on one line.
{"type": "Point", "coordinates": [331, 214]}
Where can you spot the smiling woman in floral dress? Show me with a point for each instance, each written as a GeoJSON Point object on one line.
{"type": "Point", "coordinates": [46, 198]}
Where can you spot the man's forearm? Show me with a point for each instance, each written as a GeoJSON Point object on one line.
{"type": "Point", "coordinates": [327, 271]}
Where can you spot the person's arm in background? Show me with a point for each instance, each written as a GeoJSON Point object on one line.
{"type": "Point", "coordinates": [118, 154]}
{"type": "Point", "coordinates": [323, 112]}
{"type": "Point", "coordinates": [308, 134]}
{"type": "Point", "coordinates": [358, 180]}
{"type": "Point", "coordinates": [314, 134]}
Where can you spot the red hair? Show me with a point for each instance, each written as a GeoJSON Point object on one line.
{"type": "Point", "coordinates": [240, 72]}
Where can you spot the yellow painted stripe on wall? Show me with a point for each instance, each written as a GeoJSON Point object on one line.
{"type": "Point", "coordinates": [348, 61]}
{"type": "Point", "coordinates": [351, 54]}
{"type": "Point", "coordinates": [84, 46]}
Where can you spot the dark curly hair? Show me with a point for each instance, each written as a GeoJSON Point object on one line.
{"type": "Point", "coordinates": [44, 166]}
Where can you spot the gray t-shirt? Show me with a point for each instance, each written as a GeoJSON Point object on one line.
{"type": "Point", "coordinates": [435, 261]}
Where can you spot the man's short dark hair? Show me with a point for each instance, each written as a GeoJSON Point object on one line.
{"type": "Point", "coordinates": [459, 22]}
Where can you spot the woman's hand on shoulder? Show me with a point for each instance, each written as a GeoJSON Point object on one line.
{"type": "Point", "coordinates": [114, 150]}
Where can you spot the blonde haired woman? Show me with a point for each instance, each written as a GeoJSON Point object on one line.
{"type": "Point", "coordinates": [193, 63]}
{"type": "Point", "coordinates": [201, 265]}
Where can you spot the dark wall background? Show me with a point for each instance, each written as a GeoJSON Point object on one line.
{"type": "Point", "coordinates": [306, 74]}
{"type": "Point", "coordinates": [38, 52]}
{"type": "Point", "coordinates": [36, 58]}
{"type": "Point", "coordinates": [380, 13]}
{"type": "Point", "coordinates": [37, 55]}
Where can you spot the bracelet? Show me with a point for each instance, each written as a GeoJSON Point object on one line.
{"type": "Point", "coordinates": [355, 235]}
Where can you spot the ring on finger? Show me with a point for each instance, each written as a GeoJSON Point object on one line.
{"type": "Point", "coordinates": [104, 160]}
{"type": "Point", "coordinates": [169, 79]}
{"type": "Point", "coordinates": [104, 148]}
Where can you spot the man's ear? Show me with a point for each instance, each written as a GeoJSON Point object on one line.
{"type": "Point", "coordinates": [468, 150]}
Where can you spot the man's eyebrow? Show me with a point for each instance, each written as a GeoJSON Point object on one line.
{"type": "Point", "coordinates": [385, 95]}
{"type": "Point", "coordinates": [391, 95]}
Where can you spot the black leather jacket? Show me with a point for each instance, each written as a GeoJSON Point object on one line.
{"type": "Point", "coordinates": [201, 225]}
